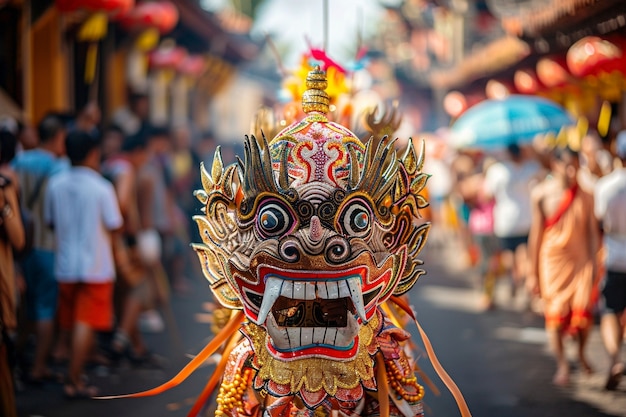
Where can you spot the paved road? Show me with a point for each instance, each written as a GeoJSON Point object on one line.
{"type": "Point", "coordinates": [498, 359]}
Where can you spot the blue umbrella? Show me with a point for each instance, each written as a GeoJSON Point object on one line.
{"type": "Point", "coordinates": [515, 119]}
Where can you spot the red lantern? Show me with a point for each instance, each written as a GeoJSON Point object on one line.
{"type": "Point", "coordinates": [109, 6]}
{"type": "Point", "coordinates": [552, 72]}
{"type": "Point", "coordinates": [162, 15]}
{"type": "Point", "coordinates": [593, 55]}
{"type": "Point", "coordinates": [526, 81]}
{"type": "Point", "coordinates": [169, 58]}
{"type": "Point", "coordinates": [498, 89]}
{"type": "Point", "coordinates": [192, 65]}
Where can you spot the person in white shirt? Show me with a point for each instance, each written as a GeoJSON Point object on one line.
{"type": "Point", "coordinates": [83, 209]}
{"type": "Point", "coordinates": [509, 183]}
{"type": "Point", "coordinates": [610, 210]}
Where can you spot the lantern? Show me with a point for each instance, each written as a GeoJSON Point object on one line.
{"type": "Point", "coordinates": [526, 81]}
{"type": "Point", "coordinates": [454, 103]}
{"type": "Point", "coordinates": [592, 55]}
{"type": "Point", "coordinates": [162, 15]}
{"type": "Point", "coordinates": [192, 65]}
{"type": "Point", "coordinates": [94, 28]}
{"type": "Point", "coordinates": [113, 7]}
{"type": "Point", "coordinates": [552, 72]}
{"type": "Point", "coordinates": [167, 57]}
{"type": "Point", "coordinates": [496, 89]}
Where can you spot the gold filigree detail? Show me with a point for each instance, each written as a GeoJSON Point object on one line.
{"type": "Point", "coordinates": [313, 118]}
{"type": "Point", "coordinates": [314, 374]}
{"type": "Point", "coordinates": [315, 98]}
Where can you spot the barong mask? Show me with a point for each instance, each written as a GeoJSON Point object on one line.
{"type": "Point", "coordinates": [312, 231]}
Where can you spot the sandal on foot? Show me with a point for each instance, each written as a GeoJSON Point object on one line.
{"type": "Point", "coordinates": [561, 378]}
{"type": "Point", "coordinates": [74, 392]}
{"type": "Point", "coordinates": [48, 377]}
{"type": "Point", "coordinates": [615, 376]}
{"type": "Point", "coordinates": [147, 360]}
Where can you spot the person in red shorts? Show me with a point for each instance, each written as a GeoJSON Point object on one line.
{"type": "Point", "coordinates": [83, 209]}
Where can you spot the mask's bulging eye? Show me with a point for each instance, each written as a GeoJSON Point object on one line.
{"type": "Point", "coordinates": [356, 219]}
{"type": "Point", "coordinates": [273, 220]}
{"type": "Point", "coordinates": [360, 221]}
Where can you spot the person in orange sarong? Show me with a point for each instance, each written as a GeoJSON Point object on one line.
{"type": "Point", "coordinates": [563, 242]}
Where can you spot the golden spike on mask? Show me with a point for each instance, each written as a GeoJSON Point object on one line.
{"type": "Point", "coordinates": [218, 166]}
{"type": "Point", "coordinates": [202, 196]}
{"type": "Point", "coordinates": [355, 175]}
{"type": "Point", "coordinates": [411, 162]}
{"type": "Point", "coordinates": [255, 171]}
{"type": "Point", "coordinates": [263, 123]}
{"type": "Point", "coordinates": [386, 125]}
{"type": "Point", "coordinates": [379, 170]}
{"type": "Point", "coordinates": [283, 175]}
{"type": "Point", "coordinates": [205, 177]}
{"type": "Point", "coordinates": [422, 156]}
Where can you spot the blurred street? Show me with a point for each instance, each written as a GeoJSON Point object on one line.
{"type": "Point", "coordinates": [499, 359]}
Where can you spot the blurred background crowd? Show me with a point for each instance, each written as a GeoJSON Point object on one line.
{"type": "Point", "coordinates": [124, 99]}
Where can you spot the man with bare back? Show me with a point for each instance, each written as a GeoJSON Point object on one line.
{"type": "Point", "coordinates": [562, 246]}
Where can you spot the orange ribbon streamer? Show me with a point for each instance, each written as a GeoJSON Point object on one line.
{"type": "Point", "coordinates": [383, 387]}
{"type": "Point", "coordinates": [215, 378]}
{"type": "Point", "coordinates": [228, 330]}
{"type": "Point", "coordinates": [443, 375]}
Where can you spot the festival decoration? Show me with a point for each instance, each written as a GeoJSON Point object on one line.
{"type": "Point", "coordinates": [498, 89]}
{"type": "Point", "coordinates": [552, 72]}
{"type": "Point", "coordinates": [455, 103]}
{"type": "Point", "coordinates": [526, 81]}
{"type": "Point", "coordinates": [592, 55]}
{"type": "Point", "coordinates": [148, 21]}
{"type": "Point", "coordinates": [192, 65]}
{"type": "Point", "coordinates": [604, 118]}
{"type": "Point", "coordinates": [113, 7]}
{"type": "Point", "coordinates": [167, 56]}
{"type": "Point", "coordinates": [94, 28]}
{"type": "Point", "coordinates": [161, 15]}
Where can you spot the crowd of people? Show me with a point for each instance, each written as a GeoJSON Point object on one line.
{"type": "Point", "coordinates": [551, 218]}
{"type": "Point", "coordinates": [95, 226]}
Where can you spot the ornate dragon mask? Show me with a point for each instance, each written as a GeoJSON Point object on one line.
{"type": "Point", "coordinates": [309, 235]}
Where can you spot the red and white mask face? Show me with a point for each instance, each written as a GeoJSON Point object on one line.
{"type": "Point", "coordinates": [316, 275]}
{"type": "Point", "coordinates": [318, 232]}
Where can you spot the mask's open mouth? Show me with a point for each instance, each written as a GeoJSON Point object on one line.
{"type": "Point", "coordinates": [312, 313]}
